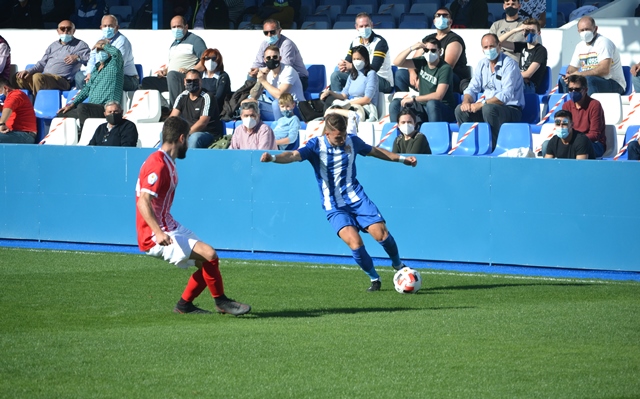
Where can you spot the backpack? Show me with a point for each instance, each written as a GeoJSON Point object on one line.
{"type": "Point", "coordinates": [231, 106]}
{"type": "Point", "coordinates": [222, 143]}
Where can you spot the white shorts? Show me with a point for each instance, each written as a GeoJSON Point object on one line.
{"type": "Point", "coordinates": [178, 252]}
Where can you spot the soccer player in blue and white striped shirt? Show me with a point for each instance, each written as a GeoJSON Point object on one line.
{"type": "Point", "coordinates": [348, 208]}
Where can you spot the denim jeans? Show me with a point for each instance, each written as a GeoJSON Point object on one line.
{"type": "Point", "coordinates": [200, 140]}
{"type": "Point", "coordinates": [595, 84]}
{"type": "Point", "coordinates": [17, 138]}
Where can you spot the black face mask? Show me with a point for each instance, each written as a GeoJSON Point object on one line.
{"type": "Point", "coordinates": [114, 119]}
{"type": "Point", "coordinates": [273, 64]}
{"type": "Point", "coordinates": [511, 11]}
{"type": "Point", "coordinates": [192, 87]}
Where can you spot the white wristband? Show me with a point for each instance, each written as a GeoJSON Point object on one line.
{"type": "Point", "coordinates": [401, 158]}
{"type": "Point", "coordinates": [273, 158]}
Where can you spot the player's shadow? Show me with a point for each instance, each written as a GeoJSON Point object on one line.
{"type": "Point", "coordinates": [493, 286]}
{"type": "Point", "coordinates": [333, 311]}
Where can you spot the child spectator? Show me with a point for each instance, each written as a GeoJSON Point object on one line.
{"type": "Point", "coordinates": [288, 126]}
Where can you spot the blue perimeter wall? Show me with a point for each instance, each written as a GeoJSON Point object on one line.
{"type": "Point", "coordinates": [531, 212]}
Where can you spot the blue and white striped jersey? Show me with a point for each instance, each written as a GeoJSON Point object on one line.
{"type": "Point", "coordinates": [335, 169]}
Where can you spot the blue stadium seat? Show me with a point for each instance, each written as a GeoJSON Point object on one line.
{"type": "Point", "coordinates": [347, 17]}
{"type": "Point", "coordinates": [395, 9]}
{"type": "Point", "coordinates": [628, 79]}
{"type": "Point", "coordinates": [385, 24]}
{"type": "Point", "coordinates": [46, 106]}
{"type": "Point", "coordinates": [413, 24]}
{"type": "Point", "coordinates": [388, 143]}
{"type": "Point", "coordinates": [513, 135]}
{"type": "Point", "coordinates": [315, 25]}
{"type": "Point", "coordinates": [140, 72]}
{"type": "Point", "coordinates": [438, 136]}
{"type": "Point", "coordinates": [330, 10]}
{"type": "Point", "coordinates": [358, 8]}
{"type": "Point", "coordinates": [382, 18]}
{"type": "Point", "coordinates": [343, 24]}
{"type": "Point", "coordinates": [428, 9]}
{"type": "Point", "coordinates": [438, 2]}
{"type": "Point", "coordinates": [531, 111]}
{"type": "Point", "coordinates": [418, 17]}
{"type": "Point", "coordinates": [477, 143]}
{"type": "Point", "coordinates": [631, 130]}
{"type": "Point", "coordinates": [374, 3]}
{"type": "Point", "coordinates": [318, 18]}
{"type": "Point", "coordinates": [566, 8]}
{"type": "Point", "coordinates": [496, 9]}
{"type": "Point", "coordinates": [317, 81]}
{"type": "Point", "coordinates": [405, 3]}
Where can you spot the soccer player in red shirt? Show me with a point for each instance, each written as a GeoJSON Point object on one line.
{"type": "Point", "coordinates": [161, 236]}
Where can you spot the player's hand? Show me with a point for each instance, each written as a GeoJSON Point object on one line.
{"type": "Point", "coordinates": [163, 239]}
{"type": "Point", "coordinates": [71, 59]}
{"type": "Point", "coordinates": [266, 157]}
{"type": "Point", "coordinates": [22, 74]}
{"type": "Point", "coordinates": [410, 161]}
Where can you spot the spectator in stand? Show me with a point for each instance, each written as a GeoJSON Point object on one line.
{"type": "Point", "coordinates": [58, 66]}
{"type": "Point", "coordinates": [5, 59]}
{"type": "Point", "coordinates": [18, 119]}
{"type": "Point", "coordinates": [536, 9]}
{"type": "Point", "coordinates": [499, 78]}
{"type": "Point", "coordinates": [378, 50]}
{"type": "Point", "coordinates": [116, 132]}
{"type": "Point", "coordinates": [289, 53]}
{"type": "Point", "coordinates": [214, 79]}
{"type": "Point", "coordinates": [25, 14]}
{"type": "Point", "coordinates": [90, 13]}
{"type": "Point", "coordinates": [568, 143]}
{"type": "Point", "coordinates": [471, 14]}
{"type": "Point", "coordinates": [184, 54]}
{"type": "Point", "coordinates": [361, 88]}
{"type": "Point", "coordinates": [208, 14]}
{"type": "Point", "coordinates": [436, 102]}
{"type": "Point", "coordinates": [533, 55]}
{"type": "Point", "coordinates": [283, 11]}
{"type": "Point", "coordinates": [597, 59]}
{"type": "Point", "coordinates": [104, 86]}
{"type": "Point", "coordinates": [453, 53]}
{"type": "Point", "coordinates": [287, 128]}
{"type": "Point", "coordinates": [236, 9]}
{"type": "Point", "coordinates": [411, 141]}
{"type": "Point", "coordinates": [635, 73]}
{"type": "Point", "coordinates": [57, 10]}
{"type": "Point", "coordinates": [511, 21]}
{"type": "Point", "coordinates": [200, 110]}
{"type": "Point", "coordinates": [111, 32]}
{"type": "Point", "coordinates": [253, 134]}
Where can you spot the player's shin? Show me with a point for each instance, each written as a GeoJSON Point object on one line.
{"type": "Point", "coordinates": [213, 278]}
{"type": "Point", "coordinates": [362, 258]}
{"type": "Point", "coordinates": [195, 286]}
{"type": "Point", "coordinates": [391, 248]}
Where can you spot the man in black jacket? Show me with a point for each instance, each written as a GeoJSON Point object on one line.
{"type": "Point", "coordinates": [117, 132]}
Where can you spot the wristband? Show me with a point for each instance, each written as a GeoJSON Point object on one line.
{"type": "Point", "coordinates": [401, 158]}
{"type": "Point", "coordinates": [273, 158]}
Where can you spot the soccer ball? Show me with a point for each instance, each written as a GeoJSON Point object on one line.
{"type": "Point", "coordinates": [407, 281]}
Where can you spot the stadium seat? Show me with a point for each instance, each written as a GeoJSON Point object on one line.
{"type": "Point", "coordinates": [63, 131]}
{"type": "Point", "coordinates": [46, 107]}
{"type": "Point", "coordinates": [413, 25]}
{"type": "Point", "coordinates": [317, 80]}
{"type": "Point", "coordinates": [628, 79]}
{"type": "Point", "coordinates": [496, 9]}
{"type": "Point", "coordinates": [531, 111]}
{"type": "Point", "coordinates": [374, 3]}
{"type": "Point", "coordinates": [438, 135]}
{"type": "Point", "coordinates": [612, 106]}
{"type": "Point", "coordinates": [145, 107]}
{"type": "Point", "coordinates": [347, 17]}
{"type": "Point", "coordinates": [71, 95]}
{"type": "Point", "coordinates": [89, 129]}
{"type": "Point", "coordinates": [395, 9]}
{"type": "Point", "coordinates": [546, 133]}
{"type": "Point", "coordinates": [378, 19]}
{"type": "Point", "coordinates": [315, 25]}
{"type": "Point", "coordinates": [480, 136]}
{"type": "Point", "coordinates": [343, 25]}
{"type": "Point", "coordinates": [405, 3]}
{"type": "Point", "coordinates": [513, 135]}
{"type": "Point", "coordinates": [611, 141]}
{"type": "Point", "coordinates": [631, 131]}
{"type": "Point", "coordinates": [566, 8]}
{"type": "Point", "coordinates": [428, 9]}
{"type": "Point", "coordinates": [367, 132]}
{"type": "Point", "coordinates": [358, 8]}
{"type": "Point", "coordinates": [149, 134]}
{"type": "Point", "coordinates": [387, 128]}
{"type": "Point", "coordinates": [140, 72]}
{"type": "Point", "coordinates": [330, 10]}
{"type": "Point", "coordinates": [318, 18]}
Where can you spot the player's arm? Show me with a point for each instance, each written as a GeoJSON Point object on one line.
{"type": "Point", "coordinates": [285, 157]}
{"type": "Point", "coordinates": [146, 211]}
{"type": "Point", "coordinates": [385, 155]}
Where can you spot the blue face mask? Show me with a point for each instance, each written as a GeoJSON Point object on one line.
{"type": "Point", "coordinates": [271, 40]}
{"type": "Point", "coordinates": [532, 38]}
{"type": "Point", "coordinates": [364, 32]}
{"type": "Point", "coordinates": [441, 23]}
{"type": "Point", "coordinates": [102, 56]}
{"type": "Point", "coordinates": [65, 38]}
{"type": "Point", "coordinates": [178, 33]}
{"type": "Point", "coordinates": [287, 113]}
{"type": "Point", "coordinates": [108, 32]}
{"type": "Point", "coordinates": [576, 96]}
{"type": "Point", "coordinates": [562, 132]}
{"type": "Point", "coordinates": [491, 54]}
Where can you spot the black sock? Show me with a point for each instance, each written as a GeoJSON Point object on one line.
{"type": "Point", "coordinates": [182, 302]}
{"type": "Point", "coordinates": [221, 299]}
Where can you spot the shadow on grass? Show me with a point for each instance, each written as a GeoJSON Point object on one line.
{"type": "Point", "coordinates": [492, 286]}
{"type": "Point", "coordinates": [332, 311]}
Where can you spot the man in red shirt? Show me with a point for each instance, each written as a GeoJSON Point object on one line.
{"type": "Point", "coordinates": [18, 120]}
{"type": "Point", "coordinates": [587, 113]}
{"type": "Point", "coordinates": [161, 236]}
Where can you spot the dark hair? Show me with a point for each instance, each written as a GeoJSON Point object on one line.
{"type": "Point", "coordinates": [497, 39]}
{"type": "Point", "coordinates": [213, 52]}
{"type": "Point", "coordinates": [335, 121]}
{"type": "Point", "coordinates": [173, 128]}
{"type": "Point", "coordinates": [364, 15]}
{"type": "Point", "coordinates": [433, 40]}
{"type": "Point", "coordinates": [362, 50]}
{"type": "Point", "coordinates": [445, 9]}
{"type": "Point", "coordinates": [195, 72]}
{"type": "Point", "coordinates": [4, 82]}
{"type": "Point", "coordinates": [563, 114]}
{"type": "Point", "coordinates": [408, 111]}
{"type": "Point", "coordinates": [578, 79]}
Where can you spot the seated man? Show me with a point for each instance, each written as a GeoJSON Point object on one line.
{"type": "Point", "coordinates": [511, 21]}
{"type": "Point", "coordinates": [105, 85]}
{"type": "Point", "coordinates": [568, 143]}
{"type": "Point", "coordinates": [184, 54]}
{"type": "Point", "coordinates": [111, 32]}
{"type": "Point", "coordinates": [435, 102]}
{"type": "Point", "coordinates": [597, 59]}
{"type": "Point", "coordinates": [289, 53]}
{"type": "Point", "coordinates": [454, 53]}
{"type": "Point", "coordinates": [117, 132]}
{"type": "Point", "coordinates": [586, 113]}
{"type": "Point", "coordinates": [252, 134]}
{"type": "Point", "coordinates": [498, 76]}
{"type": "Point", "coordinates": [200, 110]}
{"type": "Point", "coordinates": [277, 78]}
{"type": "Point", "coordinates": [533, 55]}
{"type": "Point", "coordinates": [18, 119]}
{"type": "Point", "coordinates": [58, 66]}
{"type": "Point", "coordinates": [378, 53]}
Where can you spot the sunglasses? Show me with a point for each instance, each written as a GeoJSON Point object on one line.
{"type": "Point", "coordinates": [210, 58]}
{"type": "Point", "coordinates": [433, 50]}
{"type": "Point", "coordinates": [269, 32]}
{"type": "Point", "coordinates": [192, 80]}
{"type": "Point", "coordinates": [561, 122]}
{"type": "Point", "coordinates": [272, 57]}
{"type": "Point", "coordinates": [65, 28]}
{"type": "Point", "coordinates": [441, 15]}
{"type": "Point", "coordinates": [572, 89]}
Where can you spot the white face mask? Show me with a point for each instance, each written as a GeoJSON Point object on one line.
{"type": "Point", "coordinates": [249, 122]}
{"type": "Point", "coordinates": [587, 36]}
{"type": "Point", "coordinates": [211, 65]}
{"type": "Point", "coordinates": [407, 128]}
{"type": "Point", "coordinates": [358, 64]}
{"type": "Point", "coordinates": [432, 57]}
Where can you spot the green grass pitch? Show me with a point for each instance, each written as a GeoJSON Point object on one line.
{"type": "Point", "coordinates": [99, 325]}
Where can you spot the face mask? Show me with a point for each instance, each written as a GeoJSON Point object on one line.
{"type": "Point", "coordinates": [272, 64]}
{"type": "Point", "coordinates": [491, 54]}
{"type": "Point", "coordinates": [441, 23]}
{"type": "Point", "coordinates": [432, 57]}
{"type": "Point", "coordinates": [287, 113]}
{"type": "Point", "coordinates": [114, 119]}
{"type": "Point", "coordinates": [178, 33]}
{"type": "Point", "coordinates": [358, 64]}
{"type": "Point", "coordinates": [192, 87]}
{"type": "Point", "coordinates": [102, 56]}
{"type": "Point", "coordinates": [576, 96]}
{"type": "Point", "coordinates": [531, 38]}
{"type": "Point", "coordinates": [511, 11]}
{"type": "Point", "coordinates": [407, 128]}
{"type": "Point", "coordinates": [562, 132]}
{"type": "Point", "coordinates": [65, 38]}
{"type": "Point", "coordinates": [2, 98]}
{"type": "Point", "coordinates": [271, 40]}
{"type": "Point", "coordinates": [108, 32]}
{"type": "Point", "coordinates": [364, 32]}
{"type": "Point", "coordinates": [210, 65]}
{"type": "Point", "coordinates": [586, 36]}
{"type": "Point", "coordinates": [249, 122]}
